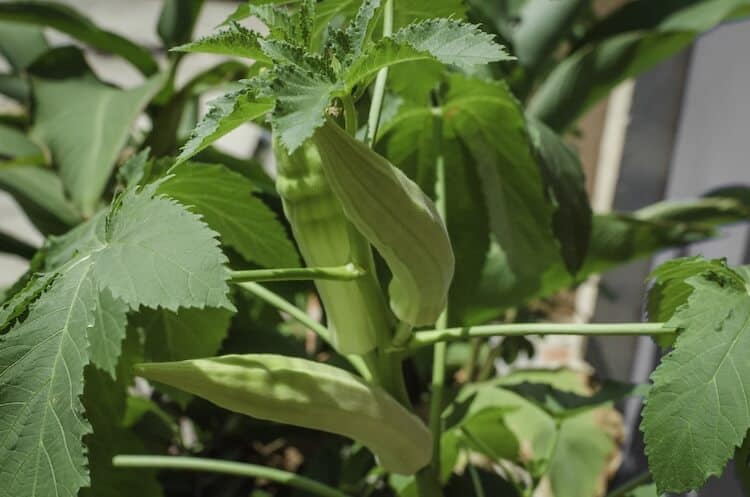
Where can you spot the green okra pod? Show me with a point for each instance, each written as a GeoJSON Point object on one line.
{"type": "Point", "coordinates": [308, 394]}
{"type": "Point", "coordinates": [397, 218]}
{"type": "Point", "coordinates": [356, 310]}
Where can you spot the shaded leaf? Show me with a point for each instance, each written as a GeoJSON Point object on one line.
{"type": "Point", "coordinates": [177, 21]}
{"type": "Point", "coordinates": [21, 45]}
{"type": "Point", "coordinates": [85, 124]}
{"type": "Point", "coordinates": [242, 220]}
{"type": "Point", "coordinates": [71, 22]}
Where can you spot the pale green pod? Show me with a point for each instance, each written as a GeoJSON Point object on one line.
{"type": "Point", "coordinates": [397, 218]}
{"type": "Point", "coordinates": [308, 394]}
{"type": "Point", "coordinates": [355, 309]}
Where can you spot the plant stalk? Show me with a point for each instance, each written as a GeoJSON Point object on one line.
{"type": "Point", "coordinates": [343, 273]}
{"type": "Point", "coordinates": [378, 92]}
{"type": "Point", "coordinates": [350, 114]}
{"type": "Point", "coordinates": [301, 316]}
{"type": "Point", "coordinates": [430, 337]}
{"type": "Point", "coordinates": [230, 468]}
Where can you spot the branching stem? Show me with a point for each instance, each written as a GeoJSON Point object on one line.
{"type": "Point", "coordinates": [230, 468]}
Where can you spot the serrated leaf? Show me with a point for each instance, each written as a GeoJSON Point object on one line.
{"type": "Point", "coordinates": [670, 288]}
{"type": "Point", "coordinates": [105, 338]}
{"type": "Point", "coordinates": [698, 410]}
{"type": "Point", "coordinates": [302, 97]}
{"type": "Point", "coordinates": [85, 125]}
{"type": "Point", "coordinates": [234, 40]}
{"type": "Point", "coordinates": [71, 22]}
{"type": "Point", "coordinates": [242, 220]}
{"type": "Point", "coordinates": [170, 259]}
{"type": "Point", "coordinates": [105, 401]}
{"type": "Point", "coordinates": [360, 28]}
{"type": "Point", "coordinates": [41, 378]}
{"type": "Point", "coordinates": [17, 304]}
{"type": "Point", "coordinates": [186, 334]}
{"type": "Point", "coordinates": [225, 114]}
{"type": "Point", "coordinates": [452, 42]}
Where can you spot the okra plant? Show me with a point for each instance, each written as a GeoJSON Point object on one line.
{"type": "Point", "coordinates": [195, 325]}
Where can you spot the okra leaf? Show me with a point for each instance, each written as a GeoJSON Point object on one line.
{"type": "Point", "coordinates": [170, 261]}
{"type": "Point", "coordinates": [177, 21]}
{"type": "Point", "coordinates": [698, 410]}
{"type": "Point", "coordinates": [452, 42]}
{"type": "Point", "coordinates": [590, 72]}
{"type": "Point", "coordinates": [20, 44]}
{"type": "Point", "coordinates": [225, 114]}
{"type": "Point", "coordinates": [16, 145]}
{"type": "Point", "coordinates": [489, 121]}
{"type": "Point", "coordinates": [69, 112]}
{"type": "Point", "coordinates": [670, 289]}
{"type": "Point", "coordinates": [41, 195]}
{"type": "Point", "coordinates": [41, 378]}
{"type": "Point", "coordinates": [302, 97]}
{"type": "Point", "coordinates": [105, 401]}
{"type": "Point", "coordinates": [235, 40]}
{"type": "Point", "coordinates": [562, 173]}
{"type": "Point", "coordinates": [71, 22]}
{"type": "Point", "coordinates": [242, 220]}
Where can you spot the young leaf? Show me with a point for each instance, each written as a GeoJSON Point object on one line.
{"type": "Point", "coordinates": [698, 410]}
{"type": "Point", "coordinates": [452, 42]}
{"type": "Point", "coordinates": [302, 98]}
{"type": "Point", "coordinates": [243, 221]}
{"type": "Point", "coordinates": [225, 114]}
{"type": "Point", "coordinates": [69, 21]}
{"type": "Point", "coordinates": [305, 393]}
{"type": "Point", "coordinates": [235, 40]}
{"type": "Point", "coordinates": [85, 124]}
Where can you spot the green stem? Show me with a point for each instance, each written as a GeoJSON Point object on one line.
{"type": "Point", "coordinates": [295, 312]}
{"type": "Point", "coordinates": [378, 92]}
{"type": "Point", "coordinates": [636, 482]}
{"type": "Point", "coordinates": [402, 335]}
{"type": "Point", "coordinates": [476, 481]}
{"type": "Point", "coordinates": [429, 337]}
{"type": "Point", "coordinates": [350, 114]}
{"type": "Point", "coordinates": [344, 273]}
{"type": "Point", "coordinates": [230, 468]}
{"type": "Point", "coordinates": [471, 363]}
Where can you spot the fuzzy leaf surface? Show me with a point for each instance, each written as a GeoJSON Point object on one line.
{"type": "Point", "coordinates": [698, 410]}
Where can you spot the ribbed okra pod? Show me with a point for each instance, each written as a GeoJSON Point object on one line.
{"type": "Point", "coordinates": [356, 310]}
{"type": "Point", "coordinates": [396, 217]}
{"type": "Point", "coordinates": [305, 393]}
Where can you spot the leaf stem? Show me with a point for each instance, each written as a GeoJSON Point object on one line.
{"type": "Point", "coordinates": [378, 92]}
{"type": "Point", "coordinates": [230, 468]}
{"type": "Point", "coordinates": [301, 316]}
{"type": "Point", "coordinates": [631, 484]}
{"type": "Point", "coordinates": [429, 337]}
{"type": "Point", "coordinates": [346, 272]}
